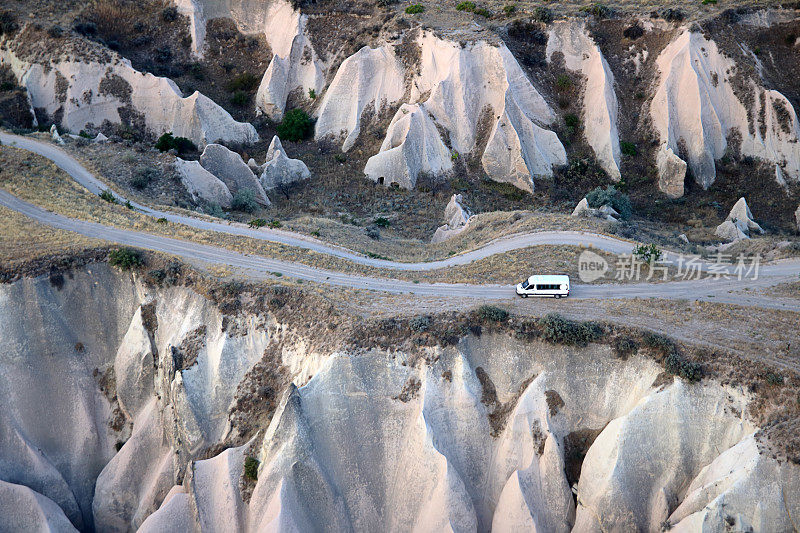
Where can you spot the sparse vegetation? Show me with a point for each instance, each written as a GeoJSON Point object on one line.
{"type": "Point", "coordinates": [126, 258]}
{"type": "Point", "coordinates": [491, 313]}
{"type": "Point", "coordinates": [168, 142]}
{"type": "Point", "coordinates": [610, 196]}
{"type": "Point", "coordinates": [509, 9]}
{"type": "Point", "coordinates": [257, 223]}
{"type": "Point", "coordinates": [415, 9]}
{"type": "Point", "coordinates": [312, 94]}
{"type": "Point", "coordinates": [560, 330]}
{"type": "Point", "coordinates": [251, 468]}
{"type": "Point", "coordinates": [143, 176]}
{"type": "Point", "coordinates": [628, 148]}
{"type": "Point", "coordinates": [240, 99]}
{"type": "Point", "coordinates": [295, 126]}
{"type": "Point", "coordinates": [542, 14]}
{"type": "Point", "coordinates": [108, 196]}
{"type": "Point", "coordinates": [244, 200]}
{"type": "Point", "coordinates": [648, 253]}
{"type": "Point", "coordinates": [465, 6]}
{"type": "Point", "coordinates": [244, 82]}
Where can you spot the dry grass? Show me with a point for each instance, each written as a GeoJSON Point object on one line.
{"type": "Point", "coordinates": [23, 240]}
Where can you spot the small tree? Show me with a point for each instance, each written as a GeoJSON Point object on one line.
{"type": "Point", "coordinates": [648, 253]}
{"type": "Point", "coordinates": [244, 200]}
{"type": "Point", "coordinates": [295, 126]}
{"type": "Point", "coordinates": [108, 196]}
{"type": "Point", "coordinates": [621, 203]}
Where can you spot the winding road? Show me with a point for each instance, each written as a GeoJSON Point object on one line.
{"type": "Point", "coordinates": [717, 290]}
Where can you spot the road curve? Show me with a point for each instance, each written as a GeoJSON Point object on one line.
{"type": "Point", "coordinates": [504, 244]}
{"type": "Point", "coordinates": [720, 290]}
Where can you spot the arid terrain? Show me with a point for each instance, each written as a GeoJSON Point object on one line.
{"type": "Point", "coordinates": [259, 266]}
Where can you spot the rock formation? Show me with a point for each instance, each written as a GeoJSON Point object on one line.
{"type": "Point", "coordinates": [671, 172]}
{"type": "Point", "coordinates": [54, 135]}
{"type": "Point", "coordinates": [412, 147]}
{"type": "Point", "coordinates": [696, 109]}
{"type": "Point", "coordinates": [741, 216]}
{"type": "Point", "coordinates": [582, 209]}
{"type": "Point", "coordinates": [600, 107]}
{"type": "Point", "coordinates": [474, 436]}
{"type": "Point", "coordinates": [294, 66]}
{"type": "Point", "coordinates": [281, 170]}
{"type": "Point", "coordinates": [797, 217]}
{"type": "Point", "coordinates": [739, 223]}
{"type": "Point", "coordinates": [88, 93]}
{"type": "Point", "coordinates": [202, 184]}
{"type": "Point", "coordinates": [367, 81]}
{"type": "Point", "coordinates": [456, 219]}
{"type": "Point", "coordinates": [229, 167]}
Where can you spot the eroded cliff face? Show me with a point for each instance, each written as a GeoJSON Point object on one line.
{"type": "Point", "coordinates": [130, 406]}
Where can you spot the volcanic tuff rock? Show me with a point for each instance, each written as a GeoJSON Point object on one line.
{"type": "Point", "coordinates": [456, 219]}
{"type": "Point", "coordinates": [282, 171]}
{"type": "Point", "coordinates": [90, 93]}
{"type": "Point", "coordinates": [671, 172]}
{"type": "Point", "coordinates": [797, 217]}
{"type": "Point", "coordinates": [202, 184]}
{"type": "Point", "coordinates": [485, 429]}
{"type": "Point", "coordinates": [600, 106]}
{"type": "Point", "coordinates": [229, 167]}
{"type": "Point", "coordinates": [370, 79]}
{"type": "Point", "coordinates": [696, 109]}
{"type": "Point", "coordinates": [740, 215]}
{"type": "Point", "coordinates": [412, 147]}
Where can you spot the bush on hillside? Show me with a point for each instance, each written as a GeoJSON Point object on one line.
{"type": "Point", "coordinates": [295, 126]}
{"type": "Point", "coordinates": [168, 142]}
{"type": "Point", "coordinates": [126, 258]}
{"type": "Point", "coordinates": [611, 196]}
{"type": "Point", "coordinates": [244, 200]}
{"type": "Point", "coordinates": [560, 330]}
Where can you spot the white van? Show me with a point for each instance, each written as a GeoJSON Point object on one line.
{"type": "Point", "coordinates": [555, 286]}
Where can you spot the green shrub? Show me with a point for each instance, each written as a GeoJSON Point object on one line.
{"type": "Point", "coordinates": [295, 126]}
{"type": "Point", "coordinates": [214, 210]}
{"type": "Point", "coordinates": [251, 468]}
{"type": "Point", "coordinates": [560, 330]}
{"type": "Point", "coordinates": [240, 99]}
{"type": "Point", "coordinates": [611, 196]}
{"type": "Point", "coordinates": [274, 224]}
{"type": "Point", "coordinates": [509, 9]}
{"type": "Point", "coordinates": [563, 82]}
{"type": "Point", "coordinates": [382, 222]}
{"type": "Point", "coordinates": [126, 258]}
{"type": "Point", "coordinates": [312, 94]}
{"type": "Point", "coordinates": [774, 379]}
{"type": "Point", "coordinates": [161, 220]}
{"type": "Point", "coordinates": [143, 176]}
{"type": "Point", "coordinates": [244, 200]}
{"type": "Point", "coordinates": [598, 10]}
{"type": "Point", "coordinates": [625, 346]}
{"type": "Point", "coordinates": [244, 82]}
{"type": "Point", "coordinates": [628, 149]}
{"type": "Point", "coordinates": [649, 253]}
{"type": "Point", "coordinates": [659, 343]}
{"type": "Point", "coordinates": [108, 196]}
{"type": "Point", "coordinates": [257, 223]}
{"type": "Point", "coordinates": [420, 323]}
{"type": "Point", "coordinates": [466, 6]}
{"type": "Point", "coordinates": [542, 14]}
{"type": "Point", "coordinates": [414, 9]}
{"type": "Point", "coordinates": [129, 205]}
{"type": "Point", "coordinates": [492, 313]}
{"type": "Point", "coordinates": [483, 12]}
{"type": "Point", "coordinates": [572, 122]}
{"type": "Point", "coordinates": [688, 370]}
{"type": "Point", "coordinates": [169, 142]}
{"type": "Point", "coordinates": [707, 2]}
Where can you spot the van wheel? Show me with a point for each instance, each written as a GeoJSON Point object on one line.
{"type": "Point", "coordinates": [558, 296]}
{"type": "Point", "coordinates": [524, 295]}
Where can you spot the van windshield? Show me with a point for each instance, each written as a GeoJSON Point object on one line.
{"type": "Point", "coordinates": [525, 284]}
